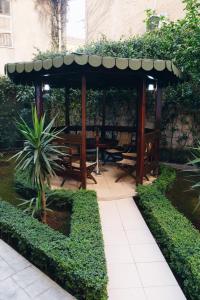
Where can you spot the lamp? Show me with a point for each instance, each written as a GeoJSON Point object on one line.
{"type": "Point", "coordinates": [46, 87]}
{"type": "Point", "coordinates": [151, 87]}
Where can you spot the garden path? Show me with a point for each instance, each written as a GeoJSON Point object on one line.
{"type": "Point", "coordinates": [136, 267]}
{"type": "Point", "coordinates": [20, 280]}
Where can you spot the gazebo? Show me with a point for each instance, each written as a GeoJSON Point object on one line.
{"type": "Point", "coordinates": [97, 72]}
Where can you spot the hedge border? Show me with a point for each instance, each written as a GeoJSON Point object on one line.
{"type": "Point", "coordinates": [76, 262]}
{"type": "Point", "coordinates": [177, 237]}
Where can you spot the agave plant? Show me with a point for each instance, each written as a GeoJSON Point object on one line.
{"type": "Point", "coordinates": [39, 157]}
{"type": "Point", "coordinates": [195, 162]}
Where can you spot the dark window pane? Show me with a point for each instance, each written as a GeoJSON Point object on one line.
{"type": "Point", "coordinates": [5, 7]}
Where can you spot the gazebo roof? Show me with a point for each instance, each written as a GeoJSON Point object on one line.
{"type": "Point", "coordinates": [100, 72]}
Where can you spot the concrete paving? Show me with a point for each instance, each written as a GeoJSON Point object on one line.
{"type": "Point", "coordinates": [137, 268]}
{"type": "Point", "coordinates": [20, 280]}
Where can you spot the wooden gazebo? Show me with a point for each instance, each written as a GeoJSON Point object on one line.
{"type": "Point", "coordinates": [92, 72]}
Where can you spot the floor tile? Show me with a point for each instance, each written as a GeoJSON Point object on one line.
{"type": "Point", "coordinates": [133, 225]}
{"type": "Point", "coordinates": [10, 291]}
{"type": "Point", "coordinates": [139, 236]}
{"type": "Point", "coordinates": [165, 293]}
{"type": "Point", "coordinates": [118, 253]}
{"type": "Point", "coordinates": [5, 270]}
{"type": "Point", "coordinates": [156, 274]}
{"type": "Point", "coordinates": [123, 276]}
{"type": "Point", "coordinates": [19, 280]}
{"type": "Point", "coordinates": [54, 293]}
{"type": "Point", "coordinates": [27, 276]}
{"type": "Point", "coordinates": [114, 237]}
{"type": "Point", "coordinates": [38, 287]}
{"type": "Point", "coordinates": [146, 253]}
{"type": "Point", "coordinates": [127, 294]}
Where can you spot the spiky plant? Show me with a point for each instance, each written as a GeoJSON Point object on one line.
{"type": "Point", "coordinates": [195, 162]}
{"type": "Point", "coordinates": [39, 156]}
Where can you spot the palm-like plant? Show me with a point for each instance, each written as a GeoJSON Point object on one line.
{"type": "Point", "coordinates": [39, 156]}
{"type": "Point", "coordinates": [195, 162]}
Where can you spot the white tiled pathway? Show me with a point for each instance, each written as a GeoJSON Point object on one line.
{"type": "Point", "coordinates": [137, 269]}
{"type": "Point", "coordinates": [20, 280]}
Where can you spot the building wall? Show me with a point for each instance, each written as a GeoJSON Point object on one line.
{"type": "Point", "coordinates": [30, 29]}
{"type": "Point", "coordinates": [117, 18]}
{"type": "Point", "coordinates": [74, 43]}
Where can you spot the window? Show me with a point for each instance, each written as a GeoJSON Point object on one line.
{"type": "Point", "coordinates": [153, 22]}
{"type": "Point", "coordinates": [5, 7]}
{"type": "Point", "coordinates": [5, 24]}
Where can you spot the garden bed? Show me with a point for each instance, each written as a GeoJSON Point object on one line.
{"type": "Point", "coordinates": [177, 237]}
{"type": "Point", "coordinates": [76, 262]}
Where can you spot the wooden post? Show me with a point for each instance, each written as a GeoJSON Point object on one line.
{"type": "Point", "coordinates": [158, 106]}
{"type": "Point", "coordinates": [39, 100]}
{"type": "Point", "coordinates": [103, 115]}
{"type": "Point", "coordinates": [158, 119]}
{"type": "Point", "coordinates": [67, 108]}
{"type": "Point", "coordinates": [136, 118]}
{"type": "Point", "coordinates": [83, 142]}
{"type": "Point", "coordinates": [141, 132]}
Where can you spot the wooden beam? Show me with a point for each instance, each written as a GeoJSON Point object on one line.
{"type": "Point", "coordinates": [141, 132]}
{"type": "Point", "coordinates": [83, 143]}
{"type": "Point", "coordinates": [158, 106]}
{"type": "Point", "coordinates": [67, 108]}
{"type": "Point", "coordinates": [103, 115]}
{"type": "Point", "coordinates": [39, 100]}
{"type": "Point", "coordinates": [158, 119]}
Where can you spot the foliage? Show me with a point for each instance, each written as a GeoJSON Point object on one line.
{"type": "Point", "coordinates": [13, 99]}
{"type": "Point", "coordinates": [174, 233]}
{"type": "Point", "coordinates": [23, 186]}
{"type": "Point", "coordinates": [38, 158]}
{"type": "Point", "coordinates": [77, 262]}
{"type": "Point", "coordinates": [195, 162]}
{"type": "Point", "coordinates": [178, 41]}
{"type": "Point", "coordinates": [57, 11]}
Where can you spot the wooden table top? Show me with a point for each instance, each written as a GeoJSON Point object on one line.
{"type": "Point", "coordinates": [129, 154]}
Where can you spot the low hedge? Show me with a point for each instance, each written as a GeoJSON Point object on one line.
{"type": "Point", "coordinates": [76, 262]}
{"type": "Point", "coordinates": [177, 237]}
{"type": "Point", "coordinates": [22, 186]}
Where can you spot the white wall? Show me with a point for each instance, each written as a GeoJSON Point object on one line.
{"type": "Point", "coordinates": [31, 30]}
{"type": "Point", "coordinates": [117, 18]}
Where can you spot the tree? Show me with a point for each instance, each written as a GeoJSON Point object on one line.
{"type": "Point", "coordinates": [38, 159]}
{"type": "Point", "coordinates": [57, 9]}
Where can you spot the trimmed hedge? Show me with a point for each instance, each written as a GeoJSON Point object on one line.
{"type": "Point", "coordinates": [177, 237]}
{"type": "Point", "coordinates": [76, 262]}
{"type": "Point", "coordinates": [22, 186]}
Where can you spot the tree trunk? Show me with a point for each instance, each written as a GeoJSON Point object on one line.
{"type": "Point", "coordinates": [44, 213]}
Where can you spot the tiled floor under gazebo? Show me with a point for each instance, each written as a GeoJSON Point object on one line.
{"type": "Point", "coordinates": [106, 187]}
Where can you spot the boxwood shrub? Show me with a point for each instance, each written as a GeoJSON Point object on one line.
{"type": "Point", "coordinates": [177, 237]}
{"type": "Point", "coordinates": [76, 262]}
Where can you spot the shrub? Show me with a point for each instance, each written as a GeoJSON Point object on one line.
{"type": "Point", "coordinates": [178, 239]}
{"type": "Point", "coordinates": [23, 187]}
{"type": "Point", "coordinates": [76, 262]}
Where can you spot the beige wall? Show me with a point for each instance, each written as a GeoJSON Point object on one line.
{"type": "Point", "coordinates": [117, 18]}
{"type": "Point", "coordinates": [30, 30]}
{"type": "Point", "coordinates": [74, 43]}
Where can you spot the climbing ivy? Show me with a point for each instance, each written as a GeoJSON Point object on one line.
{"type": "Point", "coordinates": [177, 41]}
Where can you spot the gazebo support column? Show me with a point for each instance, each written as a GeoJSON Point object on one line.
{"type": "Point", "coordinates": [103, 115]}
{"type": "Point", "coordinates": [141, 132]}
{"type": "Point", "coordinates": [67, 108]}
{"type": "Point", "coordinates": [83, 135]}
{"type": "Point", "coordinates": [158, 120]}
{"type": "Point", "coordinates": [39, 100]}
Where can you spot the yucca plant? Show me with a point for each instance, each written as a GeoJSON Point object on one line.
{"type": "Point", "coordinates": [39, 157]}
{"type": "Point", "coordinates": [195, 162]}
